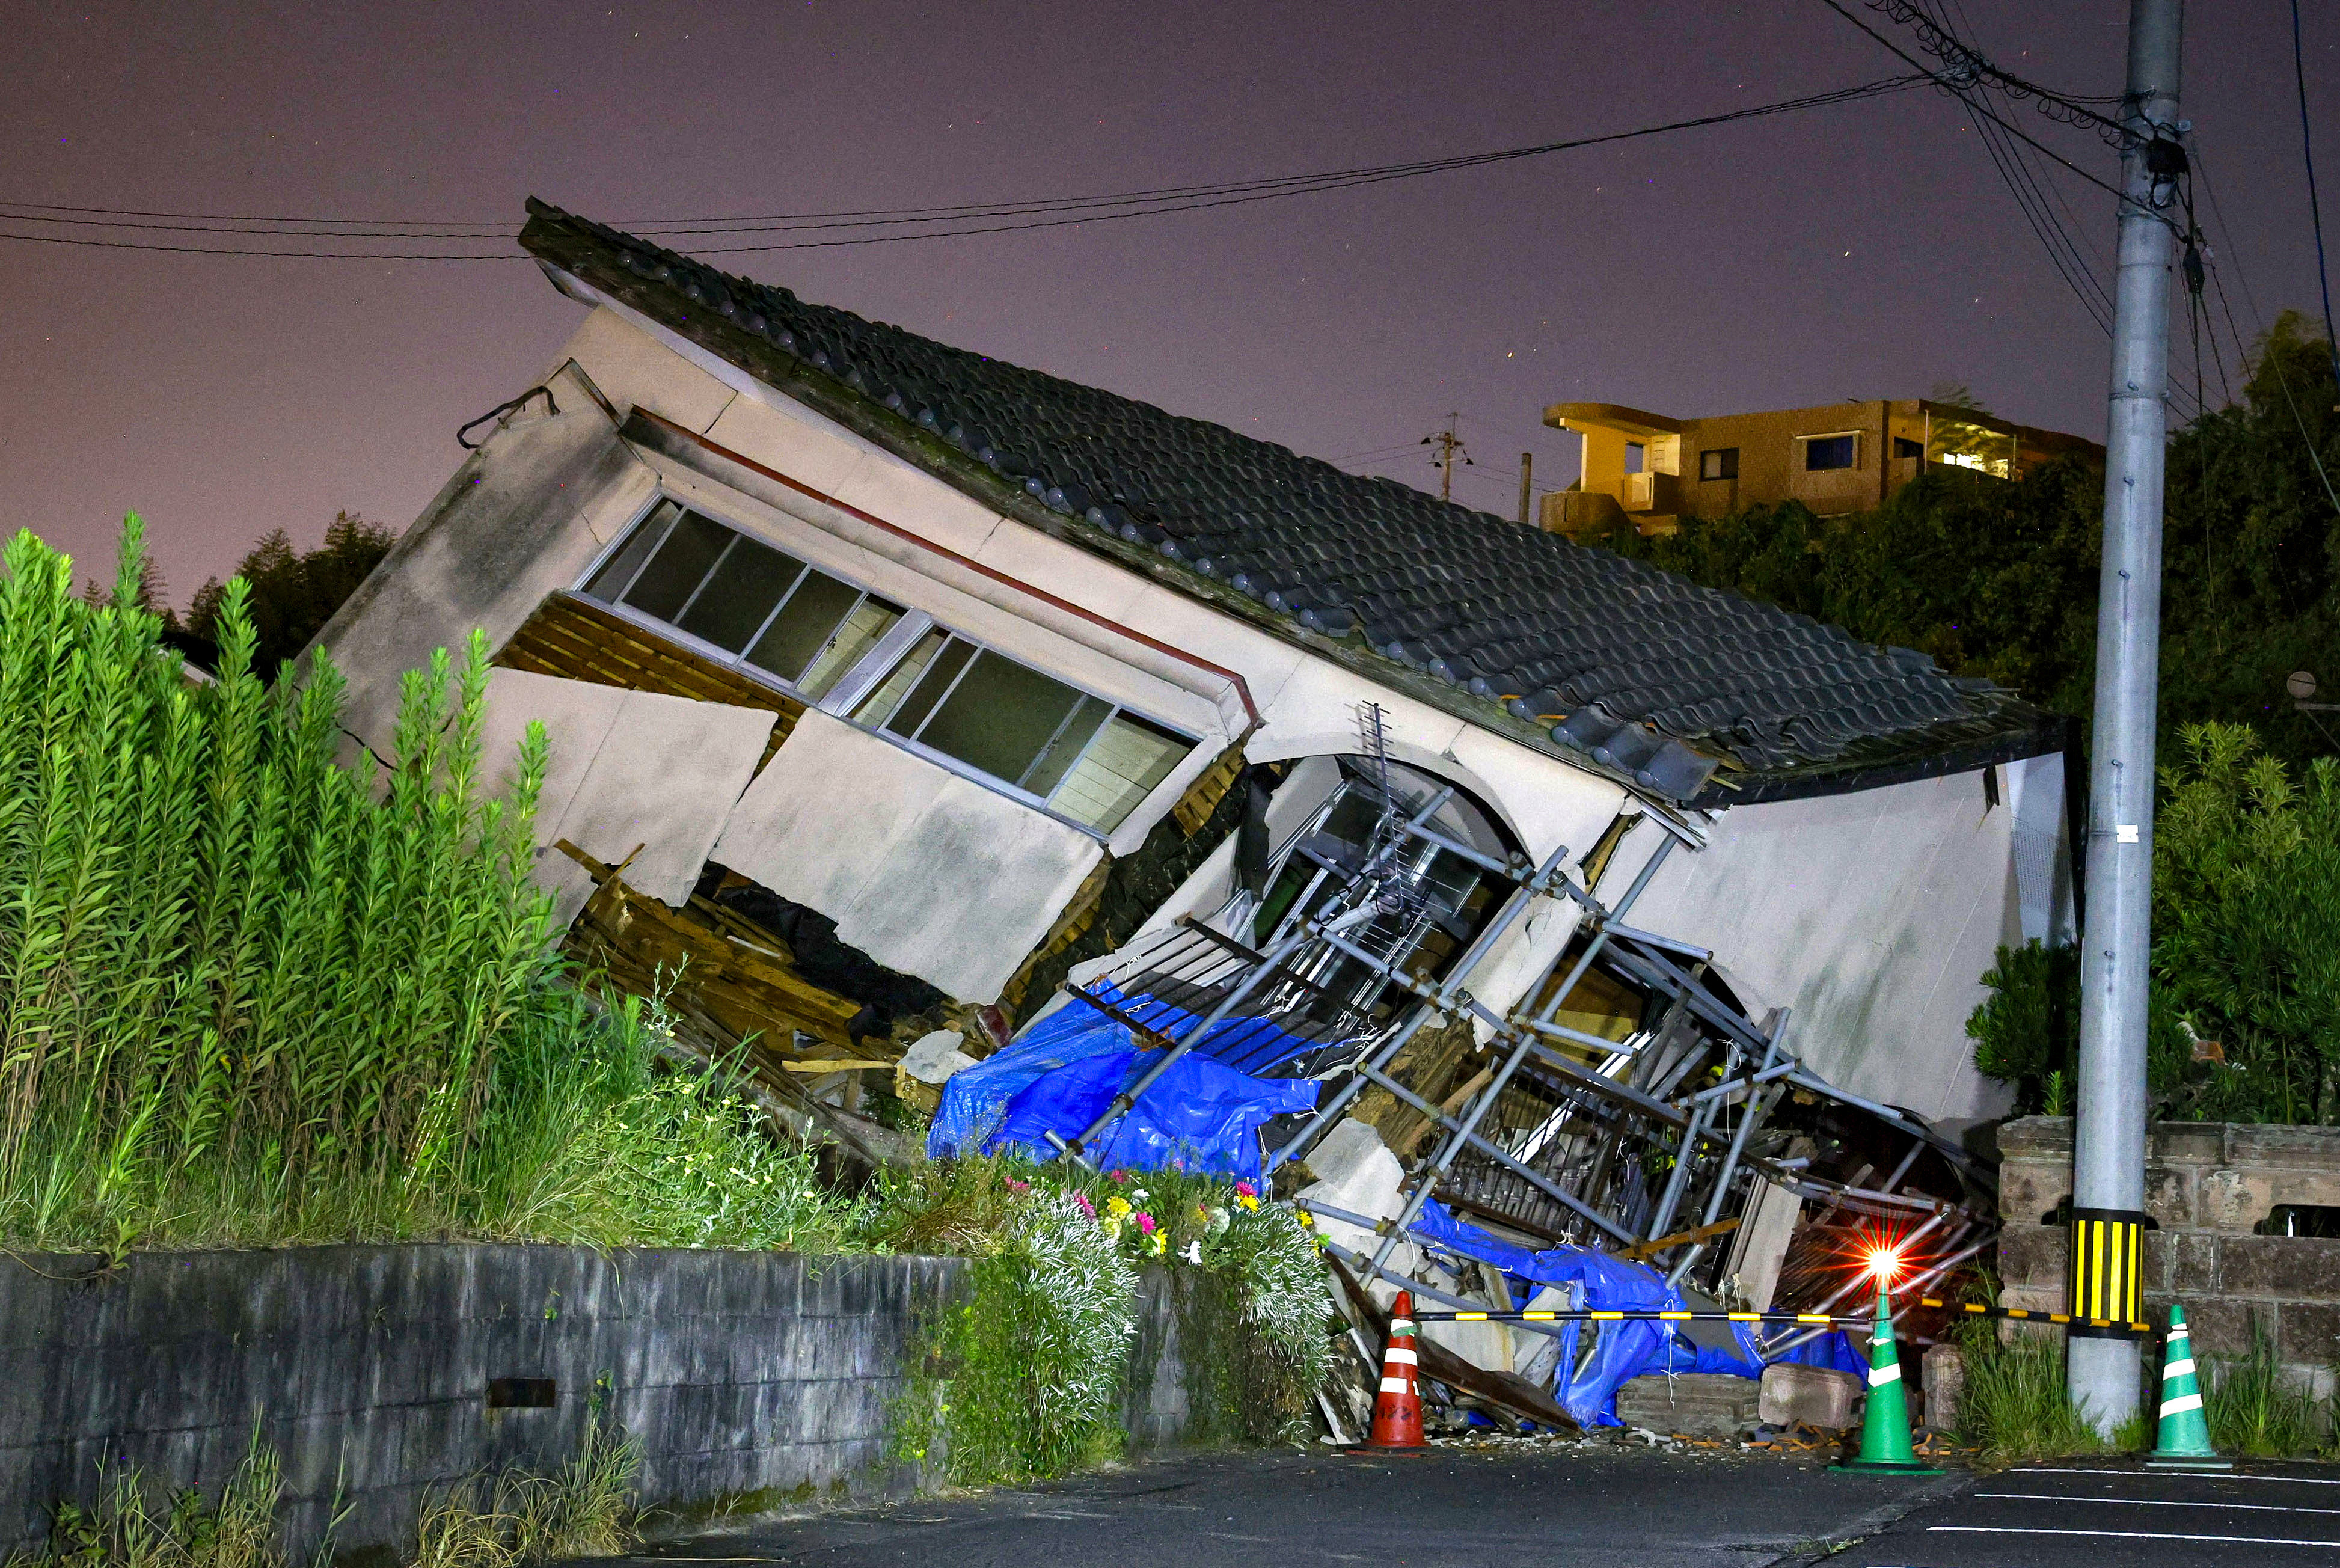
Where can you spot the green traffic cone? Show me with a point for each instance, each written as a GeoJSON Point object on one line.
{"type": "Point", "coordinates": [1885, 1425]}
{"type": "Point", "coordinates": [2183, 1442]}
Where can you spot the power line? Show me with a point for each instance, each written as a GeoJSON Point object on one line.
{"type": "Point", "coordinates": [1950, 86]}
{"type": "Point", "coordinates": [1971, 64]}
{"type": "Point", "coordinates": [2315, 208]}
{"type": "Point", "coordinates": [2218, 280]}
{"type": "Point", "coordinates": [1969, 71]}
{"type": "Point", "coordinates": [960, 222]}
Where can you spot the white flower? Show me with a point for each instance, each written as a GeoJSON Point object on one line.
{"type": "Point", "coordinates": [1194, 1253]}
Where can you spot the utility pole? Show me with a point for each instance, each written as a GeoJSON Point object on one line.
{"type": "Point", "coordinates": [2109, 1125]}
{"type": "Point", "coordinates": [1527, 485]}
{"type": "Point", "coordinates": [1448, 443]}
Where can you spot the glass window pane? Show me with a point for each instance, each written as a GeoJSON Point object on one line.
{"type": "Point", "coordinates": [869, 621]}
{"type": "Point", "coordinates": [1049, 769]}
{"type": "Point", "coordinates": [667, 582]}
{"type": "Point", "coordinates": [941, 669]}
{"type": "Point", "coordinates": [878, 706]}
{"type": "Point", "coordinates": [1832, 451]}
{"type": "Point", "coordinates": [804, 625]}
{"type": "Point", "coordinates": [1119, 770]}
{"type": "Point", "coordinates": [742, 592]}
{"type": "Point", "coordinates": [1001, 716]}
{"type": "Point", "coordinates": [620, 568]}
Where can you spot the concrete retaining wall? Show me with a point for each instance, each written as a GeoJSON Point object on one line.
{"type": "Point", "coordinates": [2209, 1187]}
{"type": "Point", "coordinates": [750, 1379]}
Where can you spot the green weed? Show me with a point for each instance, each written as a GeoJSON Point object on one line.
{"type": "Point", "coordinates": [2253, 1411]}
{"type": "Point", "coordinates": [2015, 1407]}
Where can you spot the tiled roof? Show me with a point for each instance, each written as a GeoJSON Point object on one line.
{"type": "Point", "coordinates": [1650, 675]}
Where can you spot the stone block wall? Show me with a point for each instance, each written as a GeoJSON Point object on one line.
{"type": "Point", "coordinates": [2208, 1187]}
{"type": "Point", "coordinates": [751, 1380]}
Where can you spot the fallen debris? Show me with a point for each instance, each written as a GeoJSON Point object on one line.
{"type": "Point", "coordinates": [1623, 1136]}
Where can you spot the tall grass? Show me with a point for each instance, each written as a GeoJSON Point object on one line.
{"type": "Point", "coordinates": [514, 1519]}
{"type": "Point", "coordinates": [2013, 1406]}
{"type": "Point", "coordinates": [2253, 1411]}
{"type": "Point", "coordinates": [124, 1529]}
{"type": "Point", "coordinates": [251, 996]}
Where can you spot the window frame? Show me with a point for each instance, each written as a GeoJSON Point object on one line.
{"type": "Point", "coordinates": [869, 672]}
{"type": "Point", "coordinates": [1805, 442]}
{"type": "Point", "coordinates": [918, 748]}
{"type": "Point", "coordinates": [1727, 459]}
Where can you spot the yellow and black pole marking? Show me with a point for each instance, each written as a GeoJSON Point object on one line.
{"type": "Point", "coordinates": [1590, 1315]}
{"type": "Point", "coordinates": [2107, 1274]}
{"type": "Point", "coordinates": [2102, 1327]}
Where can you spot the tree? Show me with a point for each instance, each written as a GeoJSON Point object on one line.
{"type": "Point", "coordinates": [1998, 578]}
{"type": "Point", "coordinates": [294, 594]}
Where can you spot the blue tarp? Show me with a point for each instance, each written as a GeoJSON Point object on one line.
{"type": "Point", "coordinates": [1625, 1350]}
{"type": "Point", "coordinates": [1061, 1074]}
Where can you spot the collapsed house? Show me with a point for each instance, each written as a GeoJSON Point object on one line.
{"type": "Point", "coordinates": [894, 690]}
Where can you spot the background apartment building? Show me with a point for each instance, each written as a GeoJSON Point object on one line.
{"type": "Point", "coordinates": [1652, 472]}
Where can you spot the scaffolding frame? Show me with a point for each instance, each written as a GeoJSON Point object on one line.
{"type": "Point", "coordinates": [1634, 1135]}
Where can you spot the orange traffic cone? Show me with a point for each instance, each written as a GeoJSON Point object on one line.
{"type": "Point", "coordinates": [1397, 1409]}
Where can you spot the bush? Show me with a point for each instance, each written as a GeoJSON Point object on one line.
{"type": "Point", "coordinates": [2247, 924]}
{"type": "Point", "coordinates": [2246, 957]}
{"type": "Point", "coordinates": [1033, 1368]}
{"type": "Point", "coordinates": [1036, 1355]}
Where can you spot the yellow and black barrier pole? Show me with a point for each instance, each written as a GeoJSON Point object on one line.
{"type": "Point", "coordinates": [1592, 1315]}
{"type": "Point", "coordinates": [2100, 1327]}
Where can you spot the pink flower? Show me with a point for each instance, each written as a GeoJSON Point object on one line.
{"type": "Point", "coordinates": [1145, 1224]}
{"type": "Point", "coordinates": [1088, 1207]}
{"type": "Point", "coordinates": [1015, 1185]}
{"type": "Point", "coordinates": [1244, 1189]}
{"type": "Point", "coordinates": [1121, 1176]}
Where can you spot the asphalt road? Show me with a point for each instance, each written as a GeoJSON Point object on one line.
{"type": "Point", "coordinates": [1556, 1507]}
{"type": "Point", "coordinates": [1487, 1506]}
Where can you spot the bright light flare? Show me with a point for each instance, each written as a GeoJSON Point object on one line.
{"type": "Point", "coordinates": [1886, 1253]}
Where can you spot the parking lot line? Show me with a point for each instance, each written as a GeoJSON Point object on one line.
{"type": "Point", "coordinates": [2124, 1534]}
{"type": "Point", "coordinates": [2203, 1476]}
{"type": "Point", "coordinates": [2153, 1502]}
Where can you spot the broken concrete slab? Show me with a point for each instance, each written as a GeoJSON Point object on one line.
{"type": "Point", "coordinates": [926, 871]}
{"type": "Point", "coordinates": [1815, 1396]}
{"type": "Point", "coordinates": [626, 768]}
{"type": "Point", "coordinates": [1693, 1403]}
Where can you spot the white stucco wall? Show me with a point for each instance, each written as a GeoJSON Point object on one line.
{"type": "Point", "coordinates": [922, 869]}
{"type": "Point", "coordinates": [517, 520]}
{"type": "Point", "coordinates": [1873, 914]}
{"type": "Point", "coordinates": [625, 769]}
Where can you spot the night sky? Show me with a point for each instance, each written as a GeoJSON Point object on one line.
{"type": "Point", "coordinates": [1854, 252]}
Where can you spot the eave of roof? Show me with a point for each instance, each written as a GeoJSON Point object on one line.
{"type": "Point", "coordinates": [1996, 725]}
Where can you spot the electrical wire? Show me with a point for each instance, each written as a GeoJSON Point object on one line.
{"type": "Point", "coordinates": [1936, 38]}
{"type": "Point", "coordinates": [2201, 173]}
{"type": "Point", "coordinates": [2315, 208]}
{"type": "Point", "coordinates": [1950, 86]}
{"type": "Point", "coordinates": [969, 219]}
{"type": "Point", "coordinates": [2005, 146]}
